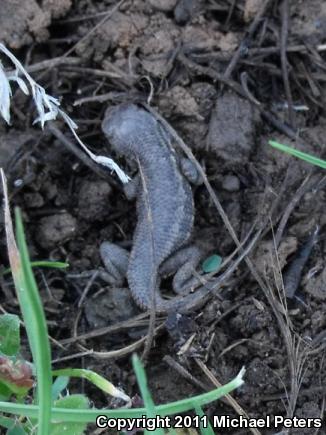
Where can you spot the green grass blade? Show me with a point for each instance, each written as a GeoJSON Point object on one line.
{"type": "Point", "coordinates": [36, 328]}
{"type": "Point", "coordinates": [95, 379]}
{"type": "Point", "coordinates": [59, 385]}
{"type": "Point", "coordinates": [89, 416]}
{"type": "Point", "coordinates": [296, 153]}
{"type": "Point", "coordinates": [7, 422]}
{"type": "Point", "coordinates": [43, 263]}
{"type": "Point", "coordinates": [204, 430]}
{"type": "Point", "coordinates": [145, 393]}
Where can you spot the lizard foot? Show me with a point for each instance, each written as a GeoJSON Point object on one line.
{"type": "Point", "coordinates": [183, 263]}
{"type": "Point", "coordinates": [115, 260]}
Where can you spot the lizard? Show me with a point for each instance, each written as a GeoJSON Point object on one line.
{"type": "Point", "coordinates": [165, 213]}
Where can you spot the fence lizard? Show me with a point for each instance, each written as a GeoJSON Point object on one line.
{"type": "Point", "coordinates": [165, 213]}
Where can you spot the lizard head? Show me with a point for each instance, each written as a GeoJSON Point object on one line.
{"type": "Point", "coordinates": [123, 123]}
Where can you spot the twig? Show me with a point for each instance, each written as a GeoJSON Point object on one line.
{"type": "Point", "coordinates": [234, 404]}
{"type": "Point", "coordinates": [109, 96]}
{"type": "Point", "coordinates": [152, 316]}
{"type": "Point", "coordinates": [215, 76]}
{"type": "Point", "coordinates": [184, 373]}
{"type": "Point", "coordinates": [243, 45]}
{"type": "Point", "coordinates": [284, 62]}
{"type": "Point", "coordinates": [137, 321]}
{"type": "Point", "coordinates": [100, 171]}
{"type": "Point", "coordinates": [98, 25]}
{"type": "Point", "coordinates": [307, 184]}
{"type": "Point", "coordinates": [50, 63]}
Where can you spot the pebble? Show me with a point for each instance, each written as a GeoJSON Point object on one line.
{"type": "Point", "coordinates": [231, 183]}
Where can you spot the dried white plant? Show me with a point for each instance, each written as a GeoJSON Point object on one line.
{"type": "Point", "coordinates": [48, 107]}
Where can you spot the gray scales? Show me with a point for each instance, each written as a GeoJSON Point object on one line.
{"type": "Point", "coordinates": [165, 213]}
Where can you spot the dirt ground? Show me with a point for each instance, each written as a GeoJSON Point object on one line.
{"type": "Point", "coordinates": [228, 76]}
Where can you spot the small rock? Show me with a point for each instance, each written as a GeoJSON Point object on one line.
{"type": "Point", "coordinates": [205, 96]}
{"type": "Point", "coordinates": [56, 229]}
{"type": "Point", "coordinates": [231, 183]}
{"type": "Point", "coordinates": [163, 5]}
{"type": "Point", "coordinates": [232, 128]}
{"type": "Point", "coordinates": [93, 200]}
{"type": "Point", "coordinates": [178, 101]}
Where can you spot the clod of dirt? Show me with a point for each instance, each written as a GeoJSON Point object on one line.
{"type": "Point", "coordinates": [258, 374]}
{"type": "Point", "coordinates": [266, 261]}
{"type": "Point", "coordinates": [200, 99]}
{"type": "Point", "coordinates": [232, 128]}
{"type": "Point", "coordinates": [93, 200]}
{"type": "Point", "coordinates": [308, 20]}
{"type": "Point", "coordinates": [120, 31]}
{"type": "Point", "coordinates": [316, 285]}
{"type": "Point", "coordinates": [58, 8]}
{"type": "Point", "coordinates": [196, 37]}
{"type": "Point", "coordinates": [156, 49]}
{"type": "Point", "coordinates": [21, 21]}
{"type": "Point", "coordinates": [250, 9]}
{"type": "Point", "coordinates": [205, 96]}
{"type": "Point", "coordinates": [34, 200]}
{"type": "Point", "coordinates": [56, 229]}
{"type": "Point", "coordinates": [114, 306]}
{"type": "Point", "coordinates": [180, 102]}
{"type": "Point", "coordinates": [250, 320]}
{"type": "Point", "coordinates": [163, 5]}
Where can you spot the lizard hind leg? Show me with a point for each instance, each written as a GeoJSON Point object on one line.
{"type": "Point", "coordinates": [116, 261]}
{"type": "Point", "coordinates": [183, 263]}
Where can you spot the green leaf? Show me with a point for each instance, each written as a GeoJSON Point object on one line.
{"type": "Point", "coordinates": [5, 392]}
{"type": "Point", "coordinates": [9, 334]}
{"type": "Point", "coordinates": [36, 327]}
{"type": "Point", "coordinates": [146, 395]}
{"type": "Point", "coordinates": [7, 422]}
{"type": "Point", "coordinates": [212, 263]}
{"type": "Point", "coordinates": [301, 155]}
{"type": "Point", "coordinates": [17, 430]}
{"type": "Point", "coordinates": [89, 415]}
{"type": "Point", "coordinates": [59, 385]}
{"type": "Point", "coordinates": [16, 375]}
{"type": "Point", "coordinates": [75, 401]}
{"type": "Point", "coordinates": [13, 425]}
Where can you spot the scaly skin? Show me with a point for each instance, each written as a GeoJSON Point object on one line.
{"type": "Point", "coordinates": [167, 199]}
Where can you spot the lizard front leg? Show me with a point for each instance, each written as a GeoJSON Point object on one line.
{"type": "Point", "coordinates": [116, 261]}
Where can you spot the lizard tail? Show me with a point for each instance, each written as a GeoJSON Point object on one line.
{"type": "Point", "coordinates": [144, 284]}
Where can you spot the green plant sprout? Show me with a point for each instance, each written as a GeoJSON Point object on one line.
{"type": "Point", "coordinates": [43, 263]}
{"type": "Point", "coordinates": [299, 154]}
